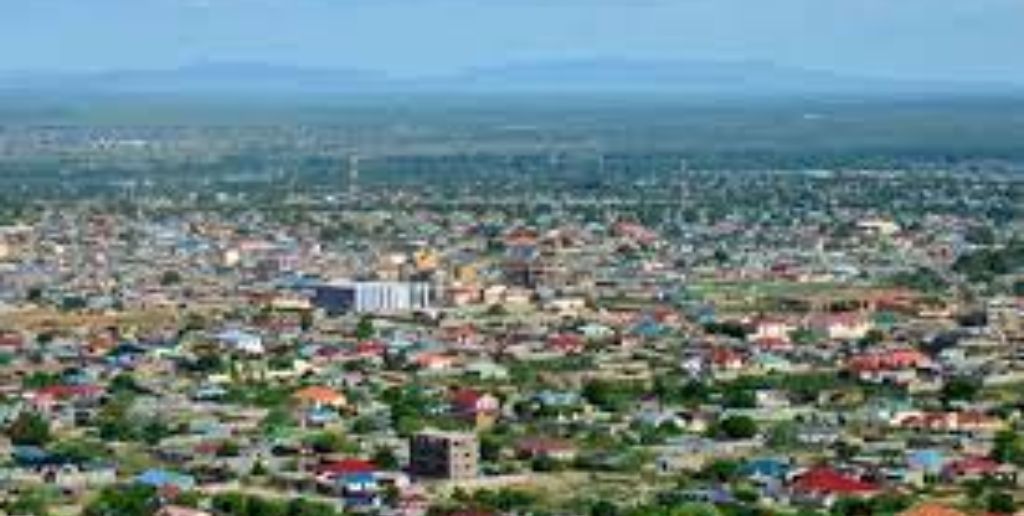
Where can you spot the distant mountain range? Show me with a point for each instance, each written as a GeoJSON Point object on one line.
{"type": "Point", "coordinates": [580, 76]}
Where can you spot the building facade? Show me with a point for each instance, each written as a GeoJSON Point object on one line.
{"type": "Point", "coordinates": [445, 455]}
{"type": "Point", "coordinates": [373, 297]}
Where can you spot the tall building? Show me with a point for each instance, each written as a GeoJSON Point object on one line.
{"type": "Point", "coordinates": [446, 455]}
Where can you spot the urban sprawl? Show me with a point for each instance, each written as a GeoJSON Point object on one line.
{"type": "Point", "coordinates": [639, 335]}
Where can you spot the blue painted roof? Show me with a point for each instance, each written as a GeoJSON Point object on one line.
{"type": "Point", "coordinates": [765, 467]}
{"type": "Point", "coordinates": [160, 477]}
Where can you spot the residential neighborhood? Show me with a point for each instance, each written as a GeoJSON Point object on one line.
{"type": "Point", "coordinates": [398, 354]}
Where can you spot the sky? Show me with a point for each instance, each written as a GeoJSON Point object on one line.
{"type": "Point", "coordinates": [959, 40]}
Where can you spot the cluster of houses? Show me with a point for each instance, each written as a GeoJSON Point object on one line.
{"type": "Point", "coordinates": [209, 352]}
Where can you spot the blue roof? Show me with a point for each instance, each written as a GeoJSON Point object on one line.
{"type": "Point", "coordinates": [548, 397]}
{"type": "Point", "coordinates": [30, 455]}
{"type": "Point", "coordinates": [359, 478]}
{"type": "Point", "coordinates": [159, 478]}
{"type": "Point", "coordinates": [647, 328]}
{"type": "Point", "coordinates": [765, 467]}
{"type": "Point", "coordinates": [931, 460]}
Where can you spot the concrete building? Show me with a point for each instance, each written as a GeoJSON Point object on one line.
{"type": "Point", "coordinates": [373, 297]}
{"type": "Point", "coordinates": [447, 455]}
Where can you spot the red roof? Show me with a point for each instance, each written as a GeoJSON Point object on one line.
{"type": "Point", "coordinates": [466, 398]}
{"type": "Point", "coordinates": [830, 481]}
{"type": "Point", "coordinates": [772, 343]}
{"type": "Point", "coordinates": [972, 465]}
{"type": "Point", "coordinates": [346, 467]}
{"type": "Point", "coordinates": [11, 340]}
{"type": "Point", "coordinates": [540, 445]}
{"type": "Point", "coordinates": [68, 391]}
{"type": "Point", "coordinates": [566, 342]}
{"type": "Point", "coordinates": [725, 356]}
{"type": "Point", "coordinates": [893, 359]}
{"type": "Point", "coordinates": [837, 319]}
{"type": "Point", "coordinates": [370, 348]}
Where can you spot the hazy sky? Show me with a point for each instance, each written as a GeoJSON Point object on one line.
{"type": "Point", "coordinates": [938, 39]}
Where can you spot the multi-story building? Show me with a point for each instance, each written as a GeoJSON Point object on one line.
{"type": "Point", "coordinates": [373, 297]}
{"type": "Point", "coordinates": [447, 455]}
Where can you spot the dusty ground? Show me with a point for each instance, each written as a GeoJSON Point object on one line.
{"type": "Point", "coordinates": [46, 319]}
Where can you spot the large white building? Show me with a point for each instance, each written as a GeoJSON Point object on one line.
{"type": "Point", "coordinates": [374, 297]}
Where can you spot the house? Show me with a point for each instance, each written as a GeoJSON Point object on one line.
{"type": "Point", "coordinates": [479, 408]}
{"type": "Point", "coordinates": [63, 403]}
{"type": "Point", "coordinates": [689, 453]}
{"type": "Point", "coordinates": [647, 328]}
{"type": "Point", "coordinates": [959, 421]}
{"type": "Point", "coordinates": [241, 341]}
{"type": "Point", "coordinates": [726, 360]}
{"type": "Point", "coordinates": [487, 370]}
{"type": "Point", "coordinates": [765, 470]}
{"type": "Point", "coordinates": [824, 485]}
{"type": "Point", "coordinates": [595, 331]}
{"type": "Point", "coordinates": [434, 361]}
{"type": "Point", "coordinates": [557, 399]}
{"type": "Point", "coordinates": [845, 326]}
{"type": "Point", "coordinates": [974, 468]}
{"type": "Point", "coordinates": [566, 343]}
{"type": "Point", "coordinates": [899, 365]}
{"type": "Point", "coordinates": [161, 479]}
{"type": "Point", "coordinates": [179, 510]}
{"type": "Point", "coordinates": [412, 504]}
{"type": "Point", "coordinates": [774, 329]}
{"type": "Point", "coordinates": [544, 447]}
{"type": "Point", "coordinates": [320, 397]}
{"type": "Point", "coordinates": [354, 479]}
{"type": "Point", "coordinates": [11, 342]}
{"type": "Point", "coordinates": [319, 405]}
{"type": "Point", "coordinates": [567, 305]}
{"type": "Point", "coordinates": [369, 350]}
{"type": "Point", "coordinates": [929, 461]}
{"type": "Point", "coordinates": [772, 363]}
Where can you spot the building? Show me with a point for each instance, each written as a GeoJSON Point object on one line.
{"type": "Point", "coordinates": [479, 408]}
{"type": "Point", "coordinates": [447, 455]}
{"type": "Point", "coordinates": [373, 297]}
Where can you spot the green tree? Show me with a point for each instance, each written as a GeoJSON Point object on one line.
{"type": "Point", "coordinates": [365, 328]}
{"type": "Point", "coordinates": [29, 429]}
{"type": "Point", "coordinates": [124, 383]}
{"type": "Point", "coordinates": [133, 500]}
{"type": "Point", "coordinates": [306, 320]}
{"type": "Point", "coordinates": [169, 278]}
{"type": "Point", "coordinates": [1008, 447]}
{"type": "Point", "coordinates": [720, 470]}
{"type": "Point", "coordinates": [114, 422]}
{"type": "Point", "coordinates": [604, 508]}
{"type": "Point", "coordinates": [80, 450]}
{"type": "Point", "coordinates": [1000, 502]}
{"type": "Point", "coordinates": [891, 502]}
{"type": "Point", "coordinates": [735, 427]}
{"type": "Point", "coordinates": [385, 458]}
{"type": "Point", "coordinates": [38, 380]}
{"type": "Point", "coordinates": [980, 235]}
{"type": "Point", "coordinates": [852, 507]}
{"type": "Point", "coordinates": [610, 396]}
{"type": "Point", "coordinates": [34, 502]}
{"type": "Point", "coordinates": [960, 389]}
{"type": "Point", "coordinates": [329, 442]}
{"type": "Point", "coordinates": [304, 507]}
{"type": "Point", "coordinates": [783, 436]}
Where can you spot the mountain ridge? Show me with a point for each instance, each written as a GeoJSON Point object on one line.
{"type": "Point", "coordinates": [727, 78]}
